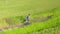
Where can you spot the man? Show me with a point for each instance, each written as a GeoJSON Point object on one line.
{"type": "Point", "coordinates": [28, 18]}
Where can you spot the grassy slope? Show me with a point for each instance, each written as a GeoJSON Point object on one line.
{"type": "Point", "coordinates": [53, 22]}
{"type": "Point", "coordinates": [22, 7]}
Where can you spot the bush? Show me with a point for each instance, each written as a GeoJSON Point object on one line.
{"type": "Point", "coordinates": [22, 19]}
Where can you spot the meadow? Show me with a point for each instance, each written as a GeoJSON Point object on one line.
{"type": "Point", "coordinates": [51, 24]}
{"type": "Point", "coordinates": [45, 14]}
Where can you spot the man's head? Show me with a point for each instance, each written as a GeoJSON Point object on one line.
{"type": "Point", "coordinates": [29, 14]}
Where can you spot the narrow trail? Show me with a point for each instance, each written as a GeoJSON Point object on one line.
{"type": "Point", "coordinates": [25, 24]}
{"type": "Point", "coordinates": [42, 19]}
{"type": "Point", "coordinates": [36, 20]}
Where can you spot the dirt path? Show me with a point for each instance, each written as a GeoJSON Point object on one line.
{"type": "Point", "coordinates": [42, 19]}
{"type": "Point", "coordinates": [36, 20]}
{"type": "Point", "coordinates": [25, 24]}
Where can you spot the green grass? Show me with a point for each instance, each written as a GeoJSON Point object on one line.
{"type": "Point", "coordinates": [55, 30]}
{"type": "Point", "coordinates": [37, 8]}
{"type": "Point", "coordinates": [23, 7]}
{"type": "Point", "coordinates": [51, 23]}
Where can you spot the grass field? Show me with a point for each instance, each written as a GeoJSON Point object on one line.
{"type": "Point", "coordinates": [39, 9]}
{"type": "Point", "coordinates": [39, 26]}
{"type": "Point", "coordinates": [22, 7]}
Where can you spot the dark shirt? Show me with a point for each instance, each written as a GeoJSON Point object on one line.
{"type": "Point", "coordinates": [27, 18]}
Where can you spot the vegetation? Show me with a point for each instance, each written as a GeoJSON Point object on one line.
{"type": "Point", "coordinates": [33, 27]}
{"type": "Point", "coordinates": [45, 14]}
